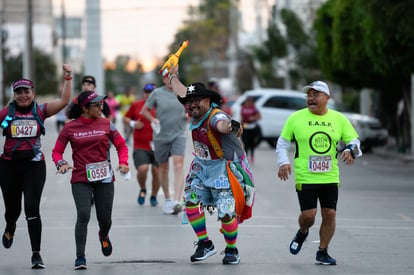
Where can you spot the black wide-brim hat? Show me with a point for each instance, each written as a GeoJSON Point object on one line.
{"type": "Point", "coordinates": [199, 89]}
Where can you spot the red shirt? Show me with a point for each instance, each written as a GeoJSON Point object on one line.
{"type": "Point", "coordinates": [247, 113]}
{"type": "Point", "coordinates": [143, 136]}
{"type": "Point", "coordinates": [90, 142]}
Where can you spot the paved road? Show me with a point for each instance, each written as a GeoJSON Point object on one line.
{"type": "Point", "coordinates": [374, 233]}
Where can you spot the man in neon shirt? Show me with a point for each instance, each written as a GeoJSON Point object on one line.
{"type": "Point", "coordinates": [316, 131]}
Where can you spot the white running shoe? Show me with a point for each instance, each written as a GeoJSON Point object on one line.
{"type": "Point", "coordinates": [168, 207]}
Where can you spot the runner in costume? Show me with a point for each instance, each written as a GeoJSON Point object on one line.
{"type": "Point", "coordinates": [218, 174]}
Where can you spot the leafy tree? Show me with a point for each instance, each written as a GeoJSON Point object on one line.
{"type": "Point", "coordinates": [369, 44]}
{"type": "Point", "coordinates": [208, 33]}
{"type": "Point", "coordinates": [45, 78]}
{"type": "Point", "coordinates": [293, 45]}
{"type": "Point", "coordinates": [122, 77]}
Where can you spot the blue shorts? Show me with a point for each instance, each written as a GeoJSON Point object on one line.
{"type": "Point", "coordinates": [208, 183]}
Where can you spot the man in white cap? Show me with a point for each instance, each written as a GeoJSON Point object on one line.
{"type": "Point", "coordinates": [316, 131]}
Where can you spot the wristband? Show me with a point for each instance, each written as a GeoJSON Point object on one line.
{"type": "Point", "coordinates": [60, 163]}
{"type": "Point", "coordinates": [352, 149]}
{"type": "Point", "coordinates": [132, 124]}
{"type": "Point", "coordinates": [67, 78]}
{"type": "Point", "coordinates": [172, 76]}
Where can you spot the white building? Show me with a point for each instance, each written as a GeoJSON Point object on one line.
{"type": "Point", "coordinates": [13, 14]}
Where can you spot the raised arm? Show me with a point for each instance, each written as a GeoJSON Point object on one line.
{"type": "Point", "coordinates": [56, 105]}
{"type": "Point", "coordinates": [179, 88]}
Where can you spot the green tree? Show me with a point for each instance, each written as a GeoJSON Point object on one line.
{"type": "Point", "coordinates": [369, 44]}
{"type": "Point", "coordinates": [121, 76]}
{"type": "Point", "coordinates": [293, 45]}
{"type": "Point", "coordinates": [208, 33]}
{"type": "Point", "coordinates": [45, 78]}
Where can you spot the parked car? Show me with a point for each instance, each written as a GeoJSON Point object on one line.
{"type": "Point", "coordinates": [276, 105]}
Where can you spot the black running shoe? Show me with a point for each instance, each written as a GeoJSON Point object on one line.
{"type": "Point", "coordinates": [7, 239]}
{"type": "Point", "coordinates": [323, 258]}
{"type": "Point", "coordinates": [296, 243]}
{"type": "Point", "coordinates": [204, 250]}
{"type": "Point", "coordinates": [80, 263]}
{"type": "Point", "coordinates": [106, 245]}
{"type": "Point", "coordinates": [231, 256]}
{"type": "Point", "coordinates": [37, 262]}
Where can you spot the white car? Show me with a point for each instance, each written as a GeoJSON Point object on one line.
{"type": "Point", "coordinates": [276, 105]}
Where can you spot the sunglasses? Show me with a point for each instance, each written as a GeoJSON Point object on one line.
{"type": "Point", "coordinates": [97, 104]}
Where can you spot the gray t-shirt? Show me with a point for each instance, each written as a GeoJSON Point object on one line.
{"type": "Point", "coordinates": [169, 111]}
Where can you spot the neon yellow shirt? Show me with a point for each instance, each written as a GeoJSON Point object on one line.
{"type": "Point", "coordinates": [316, 139]}
{"type": "Point", "coordinates": [125, 102]}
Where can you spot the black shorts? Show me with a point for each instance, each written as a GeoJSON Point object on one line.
{"type": "Point", "coordinates": [144, 157]}
{"type": "Point", "coordinates": [326, 193]}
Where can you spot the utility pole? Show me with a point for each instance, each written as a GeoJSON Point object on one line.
{"type": "Point", "coordinates": [64, 53]}
{"type": "Point", "coordinates": [27, 54]}
{"type": "Point", "coordinates": [233, 45]}
{"type": "Point", "coordinates": [93, 57]}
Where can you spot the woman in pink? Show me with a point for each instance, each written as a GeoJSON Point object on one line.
{"type": "Point", "coordinates": [90, 135]}
{"type": "Point", "coordinates": [249, 118]}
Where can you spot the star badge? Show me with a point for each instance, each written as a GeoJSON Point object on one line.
{"type": "Point", "coordinates": [191, 89]}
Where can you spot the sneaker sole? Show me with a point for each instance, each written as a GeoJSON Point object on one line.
{"type": "Point", "coordinates": [209, 254]}
{"type": "Point", "coordinates": [324, 263]}
{"type": "Point", "coordinates": [38, 266]}
{"type": "Point", "coordinates": [80, 267]}
{"type": "Point", "coordinates": [234, 262]}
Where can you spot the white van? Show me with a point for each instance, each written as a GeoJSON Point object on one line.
{"type": "Point", "coordinates": [275, 105]}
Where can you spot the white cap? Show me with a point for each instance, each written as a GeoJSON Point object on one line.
{"type": "Point", "coordinates": [319, 86]}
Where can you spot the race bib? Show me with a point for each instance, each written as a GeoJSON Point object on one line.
{"type": "Point", "coordinates": [23, 128]}
{"type": "Point", "coordinates": [320, 164]}
{"type": "Point", "coordinates": [97, 171]}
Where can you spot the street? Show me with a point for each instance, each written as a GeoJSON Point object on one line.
{"type": "Point", "coordinates": [374, 234]}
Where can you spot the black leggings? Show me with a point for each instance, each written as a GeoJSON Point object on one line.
{"type": "Point", "coordinates": [103, 195]}
{"type": "Point", "coordinates": [250, 140]}
{"type": "Point", "coordinates": [28, 178]}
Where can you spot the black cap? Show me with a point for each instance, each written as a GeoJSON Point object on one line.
{"type": "Point", "coordinates": [89, 79]}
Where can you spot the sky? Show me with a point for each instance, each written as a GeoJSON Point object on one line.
{"type": "Point", "coordinates": [143, 29]}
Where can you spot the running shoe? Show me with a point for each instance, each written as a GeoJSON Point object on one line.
{"type": "Point", "coordinates": [7, 239]}
{"type": "Point", "coordinates": [153, 201]}
{"type": "Point", "coordinates": [106, 245]}
{"type": "Point", "coordinates": [296, 243]}
{"type": "Point", "coordinates": [168, 207]}
{"type": "Point", "coordinates": [204, 250]}
{"type": "Point", "coordinates": [231, 256]}
{"type": "Point", "coordinates": [37, 262]}
{"type": "Point", "coordinates": [141, 196]}
{"type": "Point", "coordinates": [323, 258]}
{"type": "Point", "coordinates": [176, 208]}
{"type": "Point", "coordinates": [80, 263]}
